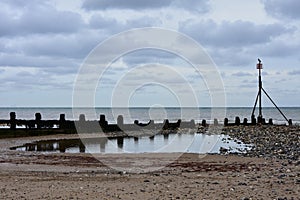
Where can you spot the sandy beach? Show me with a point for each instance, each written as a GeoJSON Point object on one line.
{"type": "Point", "coordinates": [256, 175]}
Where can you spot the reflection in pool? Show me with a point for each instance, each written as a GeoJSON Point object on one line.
{"type": "Point", "coordinates": [192, 143]}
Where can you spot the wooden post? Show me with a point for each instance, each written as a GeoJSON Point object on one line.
{"type": "Point", "coordinates": [216, 122]}
{"type": "Point", "coordinates": [270, 121]}
{"type": "Point", "coordinates": [38, 118]}
{"type": "Point", "coordinates": [226, 121]}
{"type": "Point", "coordinates": [82, 118]}
{"type": "Point", "coordinates": [120, 121]}
{"type": "Point", "coordinates": [245, 122]}
{"type": "Point", "coordinates": [12, 120]}
{"type": "Point", "coordinates": [192, 124]}
{"type": "Point", "coordinates": [203, 123]}
{"type": "Point", "coordinates": [253, 120]}
{"type": "Point", "coordinates": [237, 121]}
{"type": "Point", "coordinates": [62, 121]}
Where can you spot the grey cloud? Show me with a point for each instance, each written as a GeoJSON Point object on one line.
{"type": "Point", "coordinates": [143, 22]}
{"type": "Point", "coordinates": [39, 79]}
{"type": "Point", "coordinates": [294, 72]}
{"type": "Point", "coordinates": [241, 74]}
{"type": "Point", "coordinates": [24, 74]}
{"type": "Point", "coordinates": [61, 70]}
{"type": "Point", "coordinates": [235, 44]}
{"type": "Point", "coordinates": [191, 5]}
{"type": "Point", "coordinates": [66, 46]}
{"type": "Point", "coordinates": [22, 3]}
{"type": "Point", "coordinates": [278, 48]}
{"type": "Point", "coordinates": [280, 8]}
{"type": "Point", "coordinates": [230, 34]}
{"type": "Point", "coordinates": [107, 81]}
{"type": "Point", "coordinates": [265, 73]}
{"type": "Point", "coordinates": [48, 20]}
{"type": "Point", "coordinates": [281, 80]}
{"type": "Point", "coordinates": [252, 81]}
{"type": "Point", "coordinates": [148, 56]}
{"type": "Point", "coordinates": [112, 26]}
{"type": "Point", "coordinates": [121, 4]}
{"type": "Point", "coordinates": [37, 18]}
{"type": "Point", "coordinates": [14, 60]}
{"type": "Point", "coordinates": [223, 74]}
{"type": "Point", "coordinates": [97, 21]}
{"type": "Point", "coordinates": [233, 57]}
{"type": "Point", "coordinates": [247, 85]}
{"type": "Point", "coordinates": [198, 6]}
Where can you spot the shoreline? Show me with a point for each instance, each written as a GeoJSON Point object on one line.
{"type": "Point", "coordinates": [278, 141]}
{"type": "Point", "coordinates": [262, 173]}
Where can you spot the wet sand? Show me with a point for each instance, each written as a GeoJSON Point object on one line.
{"type": "Point", "coordinates": [33, 175]}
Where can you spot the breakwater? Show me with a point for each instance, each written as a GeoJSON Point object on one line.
{"type": "Point", "coordinates": [83, 125]}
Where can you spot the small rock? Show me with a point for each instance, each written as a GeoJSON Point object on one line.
{"type": "Point", "coordinates": [223, 150]}
{"type": "Point", "coordinates": [281, 176]}
{"type": "Point", "coordinates": [245, 198]}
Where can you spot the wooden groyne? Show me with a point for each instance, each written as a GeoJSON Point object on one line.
{"type": "Point", "coordinates": [83, 125]}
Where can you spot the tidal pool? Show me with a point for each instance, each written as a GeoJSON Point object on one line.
{"type": "Point", "coordinates": [185, 143]}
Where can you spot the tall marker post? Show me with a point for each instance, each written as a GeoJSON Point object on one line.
{"type": "Point", "coordinates": [260, 120]}
{"type": "Point", "coordinates": [259, 67]}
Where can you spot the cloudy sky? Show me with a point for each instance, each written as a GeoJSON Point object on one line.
{"type": "Point", "coordinates": [43, 44]}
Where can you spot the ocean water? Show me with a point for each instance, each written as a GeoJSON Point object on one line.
{"type": "Point", "coordinates": [156, 114]}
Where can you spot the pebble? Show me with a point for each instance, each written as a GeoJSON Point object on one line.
{"type": "Point", "coordinates": [245, 198]}
{"type": "Point", "coordinates": [270, 141]}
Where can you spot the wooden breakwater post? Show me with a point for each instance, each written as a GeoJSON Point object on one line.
{"type": "Point", "coordinates": [271, 121]}
{"type": "Point", "coordinates": [38, 118]}
{"type": "Point", "coordinates": [81, 124]}
{"type": "Point", "coordinates": [253, 120]}
{"type": "Point", "coordinates": [226, 122]}
{"type": "Point", "coordinates": [12, 119]}
{"type": "Point", "coordinates": [245, 122]}
{"type": "Point", "coordinates": [120, 121]}
{"type": "Point", "coordinates": [166, 124]}
{"type": "Point", "coordinates": [103, 123]}
{"type": "Point", "coordinates": [62, 121]}
{"type": "Point", "coordinates": [203, 123]}
{"type": "Point", "coordinates": [216, 123]}
{"type": "Point", "coordinates": [237, 121]}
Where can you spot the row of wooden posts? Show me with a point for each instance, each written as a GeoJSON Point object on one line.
{"type": "Point", "coordinates": [83, 124]}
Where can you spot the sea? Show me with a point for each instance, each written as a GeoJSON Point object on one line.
{"type": "Point", "coordinates": [158, 114]}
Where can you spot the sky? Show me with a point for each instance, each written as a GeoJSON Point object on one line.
{"type": "Point", "coordinates": [44, 45]}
